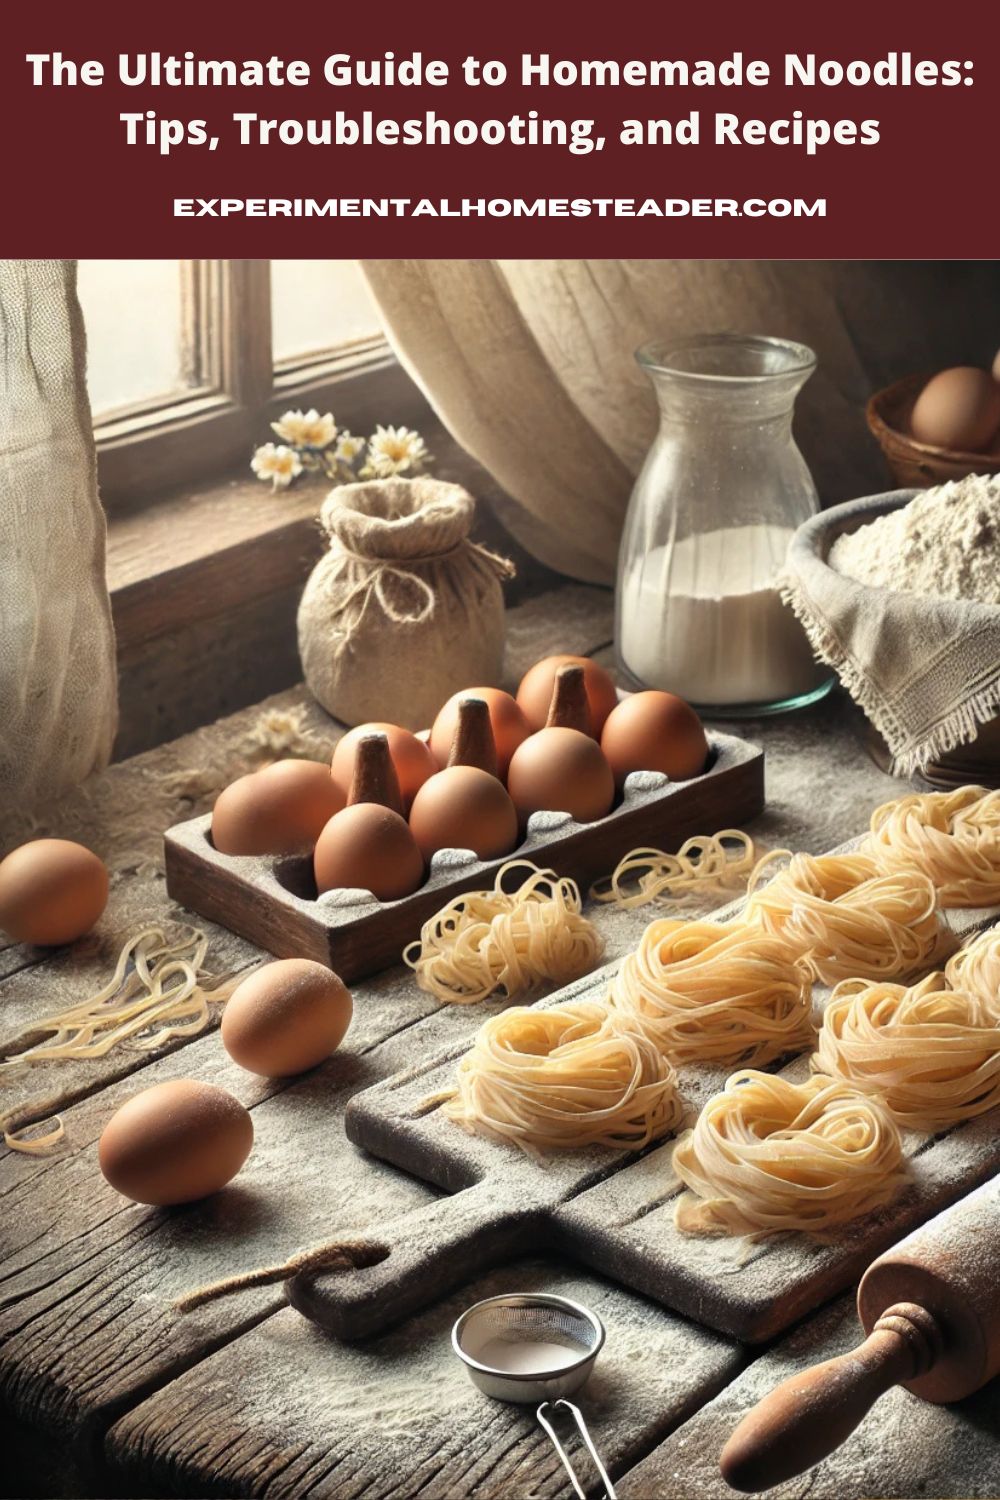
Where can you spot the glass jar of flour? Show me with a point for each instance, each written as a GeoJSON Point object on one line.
{"type": "Point", "coordinates": [713, 510]}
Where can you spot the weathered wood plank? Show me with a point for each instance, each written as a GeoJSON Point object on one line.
{"type": "Point", "coordinates": [286, 1411]}
{"type": "Point", "coordinates": [906, 1447]}
{"type": "Point", "coordinates": [86, 1321]}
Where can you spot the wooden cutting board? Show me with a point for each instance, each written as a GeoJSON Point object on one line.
{"type": "Point", "coordinates": [273, 902]}
{"type": "Point", "coordinates": [613, 1210]}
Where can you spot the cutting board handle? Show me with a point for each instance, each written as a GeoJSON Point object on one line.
{"type": "Point", "coordinates": [430, 1251]}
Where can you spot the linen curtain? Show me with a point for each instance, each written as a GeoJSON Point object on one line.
{"type": "Point", "coordinates": [57, 652]}
{"type": "Point", "coordinates": [530, 365]}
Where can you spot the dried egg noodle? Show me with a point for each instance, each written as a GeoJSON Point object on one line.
{"type": "Point", "coordinates": [768, 1155]}
{"type": "Point", "coordinates": [931, 1054]}
{"type": "Point", "coordinates": [976, 968]}
{"type": "Point", "coordinates": [37, 1145]}
{"type": "Point", "coordinates": [513, 941]}
{"type": "Point", "coordinates": [845, 918]}
{"type": "Point", "coordinates": [725, 994]}
{"type": "Point", "coordinates": [159, 990]}
{"type": "Point", "coordinates": [702, 864]}
{"type": "Point", "coordinates": [951, 837]}
{"type": "Point", "coordinates": [564, 1077]}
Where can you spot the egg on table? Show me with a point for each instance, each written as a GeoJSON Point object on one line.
{"type": "Point", "coordinates": [561, 770]}
{"type": "Point", "coordinates": [286, 1017]}
{"type": "Point", "coordinates": [281, 809]}
{"type": "Point", "coordinates": [175, 1142]}
{"type": "Point", "coordinates": [534, 696]}
{"type": "Point", "coordinates": [654, 731]}
{"type": "Point", "coordinates": [958, 409]}
{"type": "Point", "coordinates": [410, 756]}
{"type": "Point", "coordinates": [52, 891]}
{"type": "Point", "coordinates": [463, 807]}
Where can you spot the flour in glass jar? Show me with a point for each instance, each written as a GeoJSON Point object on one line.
{"type": "Point", "coordinates": [701, 617]}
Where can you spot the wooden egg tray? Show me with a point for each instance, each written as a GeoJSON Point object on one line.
{"type": "Point", "coordinates": [273, 902]}
{"type": "Point", "coordinates": [612, 1210]}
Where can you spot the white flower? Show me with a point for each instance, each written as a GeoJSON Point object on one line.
{"type": "Point", "coordinates": [306, 429]}
{"type": "Point", "coordinates": [393, 450]}
{"type": "Point", "coordinates": [348, 447]}
{"type": "Point", "coordinates": [276, 462]}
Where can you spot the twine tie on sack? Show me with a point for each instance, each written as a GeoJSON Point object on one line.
{"type": "Point", "coordinates": [373, 584]}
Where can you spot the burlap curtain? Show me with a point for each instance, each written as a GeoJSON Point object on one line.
{"type": "Point", "coordinates": [57, 653]}
{"type": "Point", "coordinates": [529, 364]}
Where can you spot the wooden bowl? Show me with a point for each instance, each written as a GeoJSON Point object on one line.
{"type": "Point", "coordinates": [919, 465]}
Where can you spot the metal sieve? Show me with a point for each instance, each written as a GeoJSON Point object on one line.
{"type": "Point", "coordinates": [529, 1347]}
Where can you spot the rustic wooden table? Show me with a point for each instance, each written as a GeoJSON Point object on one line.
{"type": "Point", "coordinates": [105, 1389]}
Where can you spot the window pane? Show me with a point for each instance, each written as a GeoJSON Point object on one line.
{"type": "Point", "coordinates": [132, 310]}
{"type": "Point", "coordinates": [317, 305]}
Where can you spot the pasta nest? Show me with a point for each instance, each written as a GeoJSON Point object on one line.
{"type": "Point", "coordinates": [767, 1155]}
{"type": "Point", "coordinates": [564, 1077]}
{"type": "Point", "coordinates": [932, 1054]}
{"type": "Point", "coordinates": [976, 968]}
{"type": "Point", "coordinates": [844, 918]}
{"type": "Point", "coordinates": [704, 992]}
{"type": "Point", "coordinates": [510, 940]}
{"type": "Point", "coordinates": [952, 837]}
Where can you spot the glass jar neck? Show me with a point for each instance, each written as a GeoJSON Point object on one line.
{"type": "Point", "coordinates": [727, 378]}
{"type": "Point", "coordinates": [726, 402]}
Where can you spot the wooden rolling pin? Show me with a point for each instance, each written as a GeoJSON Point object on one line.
{"type": "Point", "coordinates": [931, 1309]}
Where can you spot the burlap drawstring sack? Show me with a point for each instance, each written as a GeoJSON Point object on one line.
{"type": "Point", "coordinates": [403, 610]}
{"type": "Point", "coordinates": [58, 688]}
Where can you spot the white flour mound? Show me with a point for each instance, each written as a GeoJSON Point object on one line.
{"type": "Point", "coordinates": [944, 544]}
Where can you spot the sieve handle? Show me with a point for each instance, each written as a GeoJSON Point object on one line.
{"type": "Point", "coordinates": [588, 1442]}
{"type": "Point", "coordinates": [426, 1254]}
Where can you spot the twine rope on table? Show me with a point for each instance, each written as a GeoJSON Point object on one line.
{"type": "Point", "coordinates": [335, 1255]}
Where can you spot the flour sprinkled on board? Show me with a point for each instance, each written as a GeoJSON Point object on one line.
{"type": "Point", "coordinates": [945, 544]}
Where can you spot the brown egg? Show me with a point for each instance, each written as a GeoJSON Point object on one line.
{"type": "Point", "coordinates": [958, 409]}
{"type": "Point", "coordinates": [411, 757]}
{"type": "Point", "coordinates": [654, 731]}
{"type": "Point", "coordinates": [175, 1142]}
{"type": "Point", "coordinates": [371, 848]}
{"type": "Point", "coordinates": [286, 1017]}
{"type": "Point", "coordinates": [510, 726]}
{"type": "Point", "coordinates": [561, 770]}
{"type": "Point", "coordinates": [996, 367]}
{"type": "Point", "coordinates": [51, 891]}
{"type": "Point", "coordinates": [281, 809]}
{"type": "Point", "coordinates": [535, 693]}
{"type": "Point", "coordinates": [464, 808]}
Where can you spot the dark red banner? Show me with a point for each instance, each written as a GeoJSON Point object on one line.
{"type": "Point", "coordinates": [517, 129]}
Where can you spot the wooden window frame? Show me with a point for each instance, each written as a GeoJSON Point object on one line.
{"type": "Point", "coordinates": [237, 390]}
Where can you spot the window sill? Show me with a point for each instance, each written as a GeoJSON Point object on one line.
{"type": "Point", "coordinates": [197, 556]}
{"type": "Point", "coordinates": [205, 587]}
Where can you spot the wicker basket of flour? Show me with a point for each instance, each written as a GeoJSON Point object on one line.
{"type": "Point", "coordinates": [901, 594]}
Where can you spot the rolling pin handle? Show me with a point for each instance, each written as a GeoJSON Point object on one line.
{"type": "Point", "coordinates": [806, 1417]}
